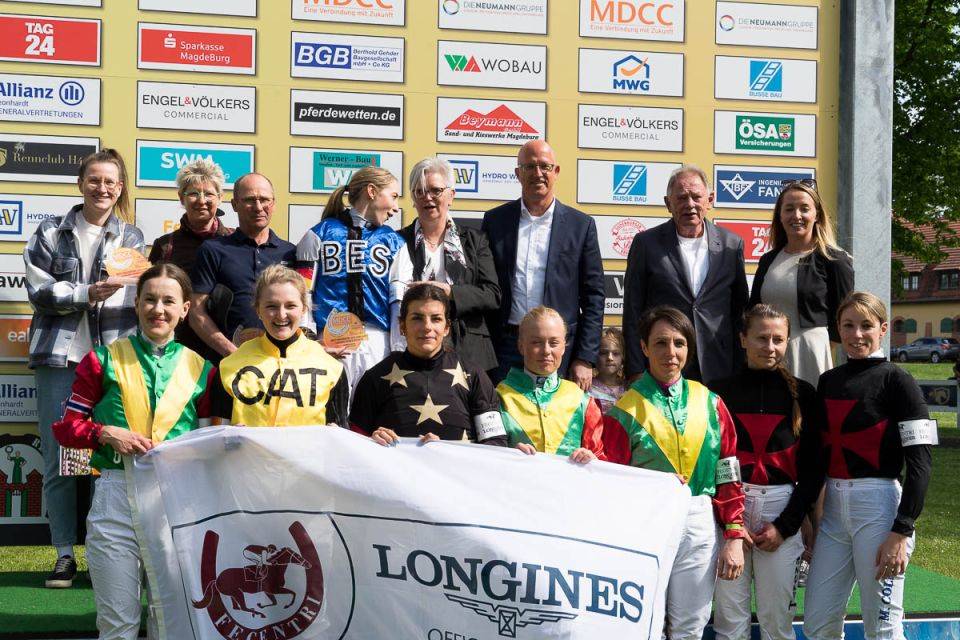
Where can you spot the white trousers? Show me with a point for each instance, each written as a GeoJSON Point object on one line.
{"type": "Point", "coordinates": [857, 516]}
{"type": "Point", "coordinates": [690, 589]}
{"type": "Point", "coordinates": [371, 351]}
{"type": "Point", "coordinates": [773, 572]}
{"type": "Point", "coordinates": [113, 556]}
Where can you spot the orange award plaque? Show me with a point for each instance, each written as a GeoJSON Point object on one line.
{"type": "Point", "coordinates": [126, 264]}
{"type": "Point", "coordinates": [343, 330]}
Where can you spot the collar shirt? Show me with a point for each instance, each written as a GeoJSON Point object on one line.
{"type": "Point", "coordinates": [533, 245]}
{"type": "Point", "coordinates": [696, 259]}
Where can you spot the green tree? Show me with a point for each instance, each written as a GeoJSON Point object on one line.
{"type": "Point", "coordinates": [926, 126]}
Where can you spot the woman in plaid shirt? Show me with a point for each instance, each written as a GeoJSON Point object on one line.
{"type": "Point", "coordinates": [76, 307]}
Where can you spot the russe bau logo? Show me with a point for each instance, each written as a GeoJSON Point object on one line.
{"type": "Point", "coordinates": [514, 595]}
{"type": "Point", "coordinates": [631, 74]}
{"type": "Point", "coordinates": [501, 119]}
{"type": "Point", "coordinates": [264, 573]}
{"type": "Point", "coordinates": [458, 62]}
{"type": "Point", "coordinates": [630, 183]}
{"type": "Point", "coordinates": [766, 78]}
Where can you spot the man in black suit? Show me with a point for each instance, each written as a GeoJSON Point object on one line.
{"type": "Point", "coordinates": [546, 253]}
{"type": "Point", "coordinates": [693, 265]}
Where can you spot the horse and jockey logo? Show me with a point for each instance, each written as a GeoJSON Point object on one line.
{"type": "Point", "coordinates": [264, 575]}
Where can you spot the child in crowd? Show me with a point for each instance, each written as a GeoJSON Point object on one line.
{"type": "Point", "coordinates": [608, 382]}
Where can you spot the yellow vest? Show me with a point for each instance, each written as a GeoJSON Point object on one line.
{"type": "Point", "coordinates": [270, 391]}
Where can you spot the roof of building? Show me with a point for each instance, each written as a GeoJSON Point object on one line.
{"type": "Point", "coordinates": [952, 261]}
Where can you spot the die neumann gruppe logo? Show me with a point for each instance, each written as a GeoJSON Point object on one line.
{"type": "Point", "coordinates": [263, 572]}
{"type": "Point", "coordinates": [765, 133]}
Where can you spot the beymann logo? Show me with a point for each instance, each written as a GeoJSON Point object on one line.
{"type": "Point", "coordinates": [263, 572]}
{"type": "Point", "coordinates": [507, 593]}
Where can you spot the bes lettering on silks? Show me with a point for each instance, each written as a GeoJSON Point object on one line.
{"type": "Point", "coordinates": [501, 581]}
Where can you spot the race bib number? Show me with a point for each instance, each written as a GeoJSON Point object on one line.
{"type": "Point", "coordinates": [489, 425]}
{"type": "Point", "coordinates": [728, 470]}
{"type": "Point", "coordinates": [914, 432]}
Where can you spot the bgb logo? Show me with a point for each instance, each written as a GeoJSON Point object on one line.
{"type": "Point", "coordinates": [264, 571]}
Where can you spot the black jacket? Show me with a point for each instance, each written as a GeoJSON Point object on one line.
{"type": "Point", "coordinates": [574, 278]}
{"type": "Point", "coordinates": [474, 293]}
{"type": "Point", "coordinates": [822, 284]}
{"type": "Point", "coordinates": [656, 275]}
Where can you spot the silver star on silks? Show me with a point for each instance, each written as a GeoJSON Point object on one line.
{"type": "Point", "coordinates": [396, 376]}
{"type": "Point", "coordinates": [459, 377]}
{"type": "Point", "coordinates": [429, 411]}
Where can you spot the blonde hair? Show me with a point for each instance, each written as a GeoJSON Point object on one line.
{"type": "Point", "coordinates": [279, 274]}
{"type": "Point", "coordinates": [111, 156]}
{"type": "Point", "coordinates": [538, 313]}
{"type": "Point", "coordinates": [864, 302]}
{"type": "Point", "coordinates": [197, 172]}
{"type": "Point", "coordinates": [379, 177]}
{"type": "Point", "coordinates": [823, 233]}
{"type": "Point", "coordinates": [615, 335]}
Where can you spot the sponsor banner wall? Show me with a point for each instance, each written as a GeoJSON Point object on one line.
{"type": "Point", "coordinates": [26, 158]}
{"type": "Point", "coordinates": [769, 134]}
{"type": "Point", "coordinates": [484, 177]}
{"type": "Point", "coordinates": [370, 12]}
{"type": "Point", "coordinates": [623, 182]}
{"type": "Point", "coordinates": [346, 57]}
{"type": "Point", "coordinates": [468, 218]}
{"type": "Point", "coordinates": [49, 40]}
{"type": "Point", "coordinates": [13, 282]}
{"type": "Point", "coordinates": [489, 64]}
{"type": "Point", "coordinates": [72, 3]}
{"type": "Point", "coordinates": [158, 162]}
{"type": "Point", "coordinates": [510, 122]}
{"type": "Point", "coordinates": [300, 217]}
{"type": "Point", "coordinates": [21, 214]}
{"type": "Point", "coordinates": [407, 559]}
{"type": "Point", "coordinates": [18, 398]}
{"type": "Point", "coordinates": [14, 337]}
{"type": "Point", "coordinates": [741, 187]}
{"type": "Point", "coordinates": [767, 25]}
{"type": "Point", "coordinates": [160, 217]}
{"type": "Point", "coordinates": [602, 126]}
{"type": "Point", "coordinates": [211, 7]}
{"type": "Point", "coordinates": [181, 47]}
{"type": "Point", "coordinates": [346, 115]}
{"type": "Point", "coordinates": [323, 170]}
{"type": "Point", "coordinates": [613, 290]}
{"type": "Point", "coordinates": [637, 73]}
{"type": "Point", "coordinates": [196, 107]}
{"type": "Point", "coordinates": [755, 235]}
{"type": "Point", "coordinates": [51, 99]}
{"type": "Point", "coordinates": [633, 19]}
{"type": "Point", "coordinates": [522, 16]}
{"type": "Point", "coordinates": [616, 233]}
{"type": "Point", "coordinates": [770, 79]}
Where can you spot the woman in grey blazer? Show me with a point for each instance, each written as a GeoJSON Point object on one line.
{"type": "Point", "coordinates": [455, 258]}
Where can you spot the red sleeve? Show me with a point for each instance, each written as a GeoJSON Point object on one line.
{"type": "Point", "coordinates": [205, 401]}
{"type": "Point", "coordinates": [728, 501]}
{"type": "Point", "coordinates": [358, 429]}
{"type": "Point", "coordinates": [593, 429]}
{"type": "Point", "coordinates": [76, 429]}
{"type": "Point", "coordinates": [616, 441]}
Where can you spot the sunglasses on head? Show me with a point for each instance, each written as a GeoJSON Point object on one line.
{"type": "Point", "coordinates": [807, 182]}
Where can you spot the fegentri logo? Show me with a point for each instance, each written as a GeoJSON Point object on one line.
{"type": "Point", "coordinates": [506, 592]}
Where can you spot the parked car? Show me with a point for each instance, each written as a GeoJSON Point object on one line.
{"type": "Point", "coordinates": [932, 349]}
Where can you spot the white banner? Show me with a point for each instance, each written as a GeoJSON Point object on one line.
{"type": "Point", "coordinates": [355, 540]}
{"type": "Point", "coordinates": [641, 73]}
{"type": "Point", "coordinates": [346, 115]}
{"type": "Point", "coordinates": [766, 25]}
{"type": "Point", "coordinates": [54, 99]}
{"type": "Point", "coordinates": [770, 79]}
{"type": "Point", "coordinates": [609, 126]}
{"type": "Point", "coordinates": [491, 64]}
{"type": "Point", "coordinates": [196, 107]}
{"type": "Point", "coordinates": [623, 182]}
{"type": "Point", "coordinates": [21, 214]}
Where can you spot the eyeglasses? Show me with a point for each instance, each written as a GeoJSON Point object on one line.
{"type": "Point", "coordinates": [252, 201]}
{"type": "Point", "coordinates": [93, 183]}
{"type": "Point", "coordinates": [205, 195]}
{"type": "Point", "coordinates": [436, 192]}
{"type": "Point", "coordinates": [807, 182]}
{"type": "Point", "coordinates": [544, 167]}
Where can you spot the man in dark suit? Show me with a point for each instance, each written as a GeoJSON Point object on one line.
{"type": "Point", "coordinates": [693, 265]}
{"type": "Point", "coordinates": [546, 253]}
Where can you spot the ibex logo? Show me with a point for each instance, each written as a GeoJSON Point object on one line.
{"type": "Point", "coordinates": [265, 574]}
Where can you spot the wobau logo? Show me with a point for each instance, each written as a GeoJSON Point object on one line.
{"type": "Point", "coordinates": [508, 593]}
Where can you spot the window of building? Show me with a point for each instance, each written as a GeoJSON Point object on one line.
{"type": "Point", "coordinates": [950, 279]}
{"type": "Point", "coordinates": [911, 282]}
{"type": "Point", "coordinates": [946, 325]}
{"type": "Point", "coordinates": [909, 325]}
{"type": "Point", "coordinates": [898, 325]}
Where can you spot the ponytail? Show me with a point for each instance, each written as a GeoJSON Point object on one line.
{"type": "Point", "coordinates": [335, 207]}
{"type": "Point", "coordinates": [795, 394]}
